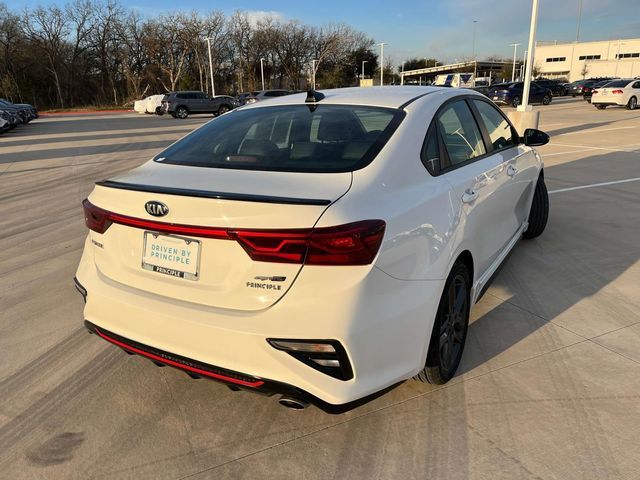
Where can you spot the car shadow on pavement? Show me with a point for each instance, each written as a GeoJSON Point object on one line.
{"type": "Point", "coordinates": [557, 289]}
{"type": "Point", "coordinates": [588, 126]}
{"type": "Point", "coordinates": [103, 149]}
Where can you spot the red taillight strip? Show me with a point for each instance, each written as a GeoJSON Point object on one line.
{"type": "Point", "coordinates": [256, 384]}
{"type": "Point", "coordinates": [194, 231]}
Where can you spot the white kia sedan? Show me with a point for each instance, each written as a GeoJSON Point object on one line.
{"type": "Point", "coordinates": [624, 93]}
{"type": "Point", "coordinates": [320, 247]}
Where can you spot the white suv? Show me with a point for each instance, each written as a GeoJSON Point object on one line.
{"type": "Point", "coordinates": [321, 248]}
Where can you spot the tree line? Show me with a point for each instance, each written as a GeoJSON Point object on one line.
{"type": "Point", "coordinates": [98, 52]}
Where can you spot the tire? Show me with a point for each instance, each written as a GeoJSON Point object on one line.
{"type": "Point", "coordinates": [633, 103]}
{"type": "Point", "coordinates": [546, 100]}
{"type": "Point", "coordinates": [223, 109]}
{"type": "Point", "coordinates": [159, 111]}
{"type": "Point", "coordinates": [449, 329]}
{"type": "Point", "coordinates": [539, 213]}
{"type": "Point", "coordinates": [599, 106]}
{"type": "Point", "coordinates": [515, 102]}
{"type": "Point", "coordinates": [181, 112]}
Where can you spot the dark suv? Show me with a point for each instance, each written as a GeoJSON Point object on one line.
{"type": "Point", "coordinates": [557, 88]}
{"type": "Point", "coordinates": [181, 104]}
{"type": "Point", "coordinates": [511, 94]}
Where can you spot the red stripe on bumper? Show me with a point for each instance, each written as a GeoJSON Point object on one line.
{"type": "Point", "coordinates": [256, 384]}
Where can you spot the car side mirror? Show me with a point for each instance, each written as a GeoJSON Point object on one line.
{"type": "Point", "coordinates": [534, 137]}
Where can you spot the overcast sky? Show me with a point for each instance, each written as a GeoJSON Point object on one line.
{"type": "Point", "coordinates": [433, 28]}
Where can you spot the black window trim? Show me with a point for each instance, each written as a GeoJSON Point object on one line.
{"type": "Point", "coordinates": [483, 127]}
{"type": "Point", "coordinates": [433, 126]}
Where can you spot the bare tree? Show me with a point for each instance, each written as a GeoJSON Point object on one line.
{"type": "Point", "coordinates": [81, 22]}
{"type": "Point", "coordinates": [107, 46]}
{"type": "Point", "coordinates": [97, 51]}
{"type": "Point", "coordinates": [48, 29]}
{"type": "Point", "coordinates": [175, 49]}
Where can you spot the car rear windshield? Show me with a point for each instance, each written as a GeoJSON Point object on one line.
{"type": "Point", "coordinates": [291, 138]}
{"type": "Point", "coordinates": [618, 84]}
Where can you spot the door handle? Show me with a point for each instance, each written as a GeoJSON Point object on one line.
{"type": "Point", "coordinates": [469, 196]}
{"type": "Point", "coordinates": [511, 170]}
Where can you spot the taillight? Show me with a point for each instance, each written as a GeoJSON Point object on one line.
{"type": "Point", "coordinates": [351, 244]}
{"type": "Point", "coordinates": [95, 218]}
{"type": "Point", "coordinates": [617, 92]}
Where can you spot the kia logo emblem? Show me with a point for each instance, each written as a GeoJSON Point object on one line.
{"type": "Point", "coordinates": [157, 209]}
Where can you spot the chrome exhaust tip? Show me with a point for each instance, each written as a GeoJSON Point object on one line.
{"type": "Point", "coordinates": [293, 403]}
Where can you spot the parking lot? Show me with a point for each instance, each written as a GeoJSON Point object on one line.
{"type": "Point", "coordinates": [549, 386]}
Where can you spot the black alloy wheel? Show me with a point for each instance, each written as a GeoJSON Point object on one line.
{"type": "Point", "coordinates": [452, 328]}
{"type": "Point", "coordinates": [182, 112]}
{"type": "Point", "coordinates": [449, 329]}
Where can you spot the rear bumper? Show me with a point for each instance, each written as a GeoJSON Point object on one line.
{"type": "Point", "coordinates": [608, 102]}
{"type": "Point", "coordinates": [384, 325]}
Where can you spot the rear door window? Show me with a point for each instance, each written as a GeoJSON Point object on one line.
{"type": "Point", "coordinates": [296, 138]}
{"type": "Point", "coordinates": [460, 133]}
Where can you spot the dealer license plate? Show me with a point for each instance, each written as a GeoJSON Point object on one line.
{"type": "Point", "coordinates": [171, 255]}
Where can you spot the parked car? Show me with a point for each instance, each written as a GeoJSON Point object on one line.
{"type": "Point", "coordinates": [182, 104]}
{"type": "Point", "coordinates": [624, 93]}
{"type": "Point", "coordinates": [511, 94]}
{"type": "Point", "coordinates": [153, 104]}
{"type": "Point", "coordinates": [11, 118]}
{"type": "Point", "coordinates": [249, 251]}
{"type": "Point", "coordinates": [580, 86]}
{"type": "Point", "coordinates": [242, 98]}
{"type": "Point", "coordinates": [33, 111]}
{"type": "Point", "coordinates": [483, 89]}
{"type": "Point", "coordinates": [23, 113]}
{"type": "Point", "coordinates": [140, 106]}
{"type": "Point", "coordinates": [265, 95]}
{"type": "Point", "coordinates": [557, 88]}
{"type": "Point", "coordinates": [587, 90]}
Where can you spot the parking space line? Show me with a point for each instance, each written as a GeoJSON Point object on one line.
{"type": "Point", "coordinates": [593, 185]}
{"type": "Point", "coordinates": [609, 149]}
{"type": "Point", "coordinates": [593, 130]}
{"type": "Point", "coordinates": [582, 150]}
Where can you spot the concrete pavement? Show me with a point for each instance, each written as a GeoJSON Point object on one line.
{"type": "Point", "coordinates": [549, 386]}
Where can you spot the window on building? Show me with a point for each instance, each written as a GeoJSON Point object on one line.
{"type": "Point", "coordinates": [628, 55]}
{"type": "Point", "coordinates": [589, 57]}
{"type": "Point", "coordinates": [556, 59]}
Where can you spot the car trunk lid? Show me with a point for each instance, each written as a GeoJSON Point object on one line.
{"type": "Point", "coordinates": [149, 254]}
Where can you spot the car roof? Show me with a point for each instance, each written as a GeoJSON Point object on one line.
{"type": "Point", "coordinates": [390, 96]}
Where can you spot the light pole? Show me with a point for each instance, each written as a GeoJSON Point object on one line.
{"type": "Point", "coordinates": [382, 63]}
{"type": "Point", "coordinates": [313, 73]}
{"type": "Point", "coordinates": [475, 62]}
{"type": "Point", "coordinates": [363, 62]}
{"type": "Point", "coordinates": [523, 70]}
{"type": "Point", "coordinates": [213, 88]}
{"type": "Point", "coordinates": [579, 20]}
{"type": "Point", "coordinates": [524, 107]}
{"type": "Point", "coordinates": [513, 70]}
{"type": "Point", "coordinates": [262, 71]}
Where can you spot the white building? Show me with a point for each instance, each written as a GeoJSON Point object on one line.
{"type": "Point", "coordinates": [578, 60]}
